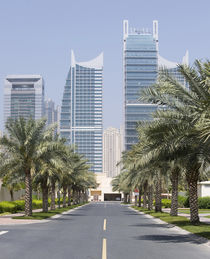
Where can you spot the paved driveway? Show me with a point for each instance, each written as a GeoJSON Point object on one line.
{"type": "Point", "coordinates": [99, 230]}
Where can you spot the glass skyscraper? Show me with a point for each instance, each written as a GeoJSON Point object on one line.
{"type": "Point", "coordinates": [81, 110]}
{"type": "Point", "coordinates": [23, 97]}
{"type": "Point", "coordinates": [141, 65]}
{"type": "Point", "coordinates": [140, 71]}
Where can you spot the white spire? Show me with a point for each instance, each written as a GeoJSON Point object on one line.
{"type": "Point", "coordinates": [185, 60]}
{"type": "Point", "coordinates": [72, 58]}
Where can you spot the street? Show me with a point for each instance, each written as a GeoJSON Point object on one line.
{"type": "Point", "coordinates": [99, 230]}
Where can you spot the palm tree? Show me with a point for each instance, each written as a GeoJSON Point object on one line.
{"type": "Point", "coordinates": [181, 122]}
{"type": "Point", "coordinates": [26, 145]}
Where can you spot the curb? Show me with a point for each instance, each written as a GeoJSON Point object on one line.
{"type": "Point", "coordinates": [192, 236]}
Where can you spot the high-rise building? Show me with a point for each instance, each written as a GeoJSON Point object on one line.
{"type": "Point", "coordinates": [52, 114]}
{"type": "Point", "coordinates": [141, 65]}
{"type": "Point", "coordinates": [140, 71]}
{"type": "Point", "coordinates": [23, 97]}
{"type": "Point", "coordinates": [81, 110]}
{"type": "Point", "coordinates": [112, 148]}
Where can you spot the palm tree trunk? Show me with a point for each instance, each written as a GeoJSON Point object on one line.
{"type": "Point", "coordinates": [69, 195]}
{"type": "Point", "coordinates": [52, 206]}
{"type": "Point", "coordinates": [28, 193]}
{"type": "Point", "coordinates": [145, 195]}
{"type": "Point", "coordinates": [140, 197]}
{"type": "Point", "coordinates": [158, 202]}
{"type": "Point", "coordinates": [150, 197]}
{"type": "Point", "coordinates": [64, 196]}
{"type": "Point", "coordinates": [11, 194]}
{"type": "Point", "coordinates": [174, 197]}
{"type": "Point", "coordinates": [192, 179]}
{"type": "Point", "coordinates": [44, 195]}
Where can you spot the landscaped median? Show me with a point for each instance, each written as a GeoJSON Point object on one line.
{"type": "Point", "coordinates": [50, 213]}
{"type": "Point", "coordinates": [201, 229]}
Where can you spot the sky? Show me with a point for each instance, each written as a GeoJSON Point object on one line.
{"type": "Point", "coordinates": [36, 37]}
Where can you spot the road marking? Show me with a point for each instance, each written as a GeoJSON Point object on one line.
{"type": "Point", "coordinates": [3, 232]}
{"type": "Point", "coordinates": [104, 224]}
{"type": "Point", "coordinates": [104, 249]}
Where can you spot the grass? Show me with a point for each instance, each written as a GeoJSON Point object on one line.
{"type": "Point", "coordinates": [201, 211]}
{"type": "Point", "coordinates": [45, 215]}
{"type": "Point", "coordinates": [201, 229]}
{"type": "Point", "coordinates": [5, 213]}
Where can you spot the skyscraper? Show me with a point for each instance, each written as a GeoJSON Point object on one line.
{"type": "Point", "coordinates": [23, 97]}
{"type": "Point", "coordinates": [52, 114]}
{"type": "Point", "coordinates": [112, 148]}
{"type": "Point", "coordinates": [141, 64]}
{"type": "Point", "coordinates": [81, 110]}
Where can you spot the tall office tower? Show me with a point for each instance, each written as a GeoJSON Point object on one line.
{"type": "Point", "coordinates": [81, 110]}
{"type": "Point", "coordinates": [23, 97]}
{"type": "Point", "coordinates": [140, 65]}
{"type": "Point", "coordinates": [51, 113]}
{"type": "Point", "coordinates": [112, 148]}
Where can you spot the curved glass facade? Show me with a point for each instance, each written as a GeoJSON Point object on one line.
{"type": "Point", "coordinates": [81, 111]}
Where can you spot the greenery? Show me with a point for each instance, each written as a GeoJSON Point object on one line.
{"type": "Point", "coordinates": [45, 215]}
{"type": "Point", "coordinates": [174, 148]}
{"type": "Point", "coordinates": [33, 158]}
{"type": "Point", "coordinates": [200, 211]}
{"type": "Point", "coordinates": [200, 229]}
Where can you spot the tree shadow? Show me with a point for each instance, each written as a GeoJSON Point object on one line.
{"type": "Point", "coordinates": [153, 225]}
{"type": "Point", "coordinates": [189, 238]}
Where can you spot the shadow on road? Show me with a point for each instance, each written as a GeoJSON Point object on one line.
{"type": "Point", "coordinates": [153, 225]}
{"type": "Point", "coordinates": [190, 238]}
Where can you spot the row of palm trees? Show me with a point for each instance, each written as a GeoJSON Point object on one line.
{"type": "Point", "coordinates": [33, 155]}
{"type": "Point", "coordinates": [175, 144]}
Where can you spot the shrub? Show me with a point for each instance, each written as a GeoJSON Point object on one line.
{"type": "Point", "coordinates": [166, 203]}
{"type": "Point", "coordinates": [7, 206]}
{"type": "Point", "coordinates": [20, 204]}
{"type": "Point", "coordinates": [204, 203]}
{"type": "Point", "coordinates": [37, 204]}
{"type": "Point", "coordinates": [183, 202]}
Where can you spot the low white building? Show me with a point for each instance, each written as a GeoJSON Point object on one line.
{"type": "Point", "coordinates": [204, 189]}
{"type": "Point", "coordinates": [104, 190]}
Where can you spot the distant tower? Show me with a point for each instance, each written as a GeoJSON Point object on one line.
{"type": "Point", "coordinates": [142, 64]}
{"type": "Point", "coordinates": [81, 110]}
{"type": "Point", "coordinates": [112, 148]}
{"type": "Point", "coordinates": [52, 114]}
{"type": "Point", "coordinates": [23, 97]}
{"type": "Point", "coordinates": [140, 70]}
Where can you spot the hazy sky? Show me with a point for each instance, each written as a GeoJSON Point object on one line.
{"type": "Point", "coordinates": [36, 37]}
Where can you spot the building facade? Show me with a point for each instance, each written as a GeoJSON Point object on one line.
{"type": "Point", "coordinates": [81, 110]}
{"type": "Point", "coordinates": [141, 66]}
{"type": "Point", "coordinates": [140, 69]}
{"type": "Point", "coordinates": [52, 114]}
{"type": "Point", "coordinates": [112, 148]}
{"type": "Point", "coordinates": [23, 97]}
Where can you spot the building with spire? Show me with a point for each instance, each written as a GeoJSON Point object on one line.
{"type": "Point", "coordinates": [81, 110]}
{"type": "Point", "coordinates": [141, 66]}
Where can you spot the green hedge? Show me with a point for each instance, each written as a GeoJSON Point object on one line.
{"type": "Point", "coordinates": [7, 206]}
{"type": "Point", "coordinates": [18, 205]}
{"type": "Point", "coordinates": [204, 203]}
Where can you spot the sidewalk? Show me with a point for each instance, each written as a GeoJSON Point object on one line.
{"type": "Point", "coordinates": [8, 220]}
{"type": "Point", "coordinates": [201, 215]}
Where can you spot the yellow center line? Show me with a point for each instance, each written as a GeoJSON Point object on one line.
{"type": "Point", "coordinates": [104, 224]}
{"type": "Point", "coordinates": [104, 249]}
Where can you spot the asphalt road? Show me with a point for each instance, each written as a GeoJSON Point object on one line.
{"type": "Point", "coordinates": [99, 231]}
